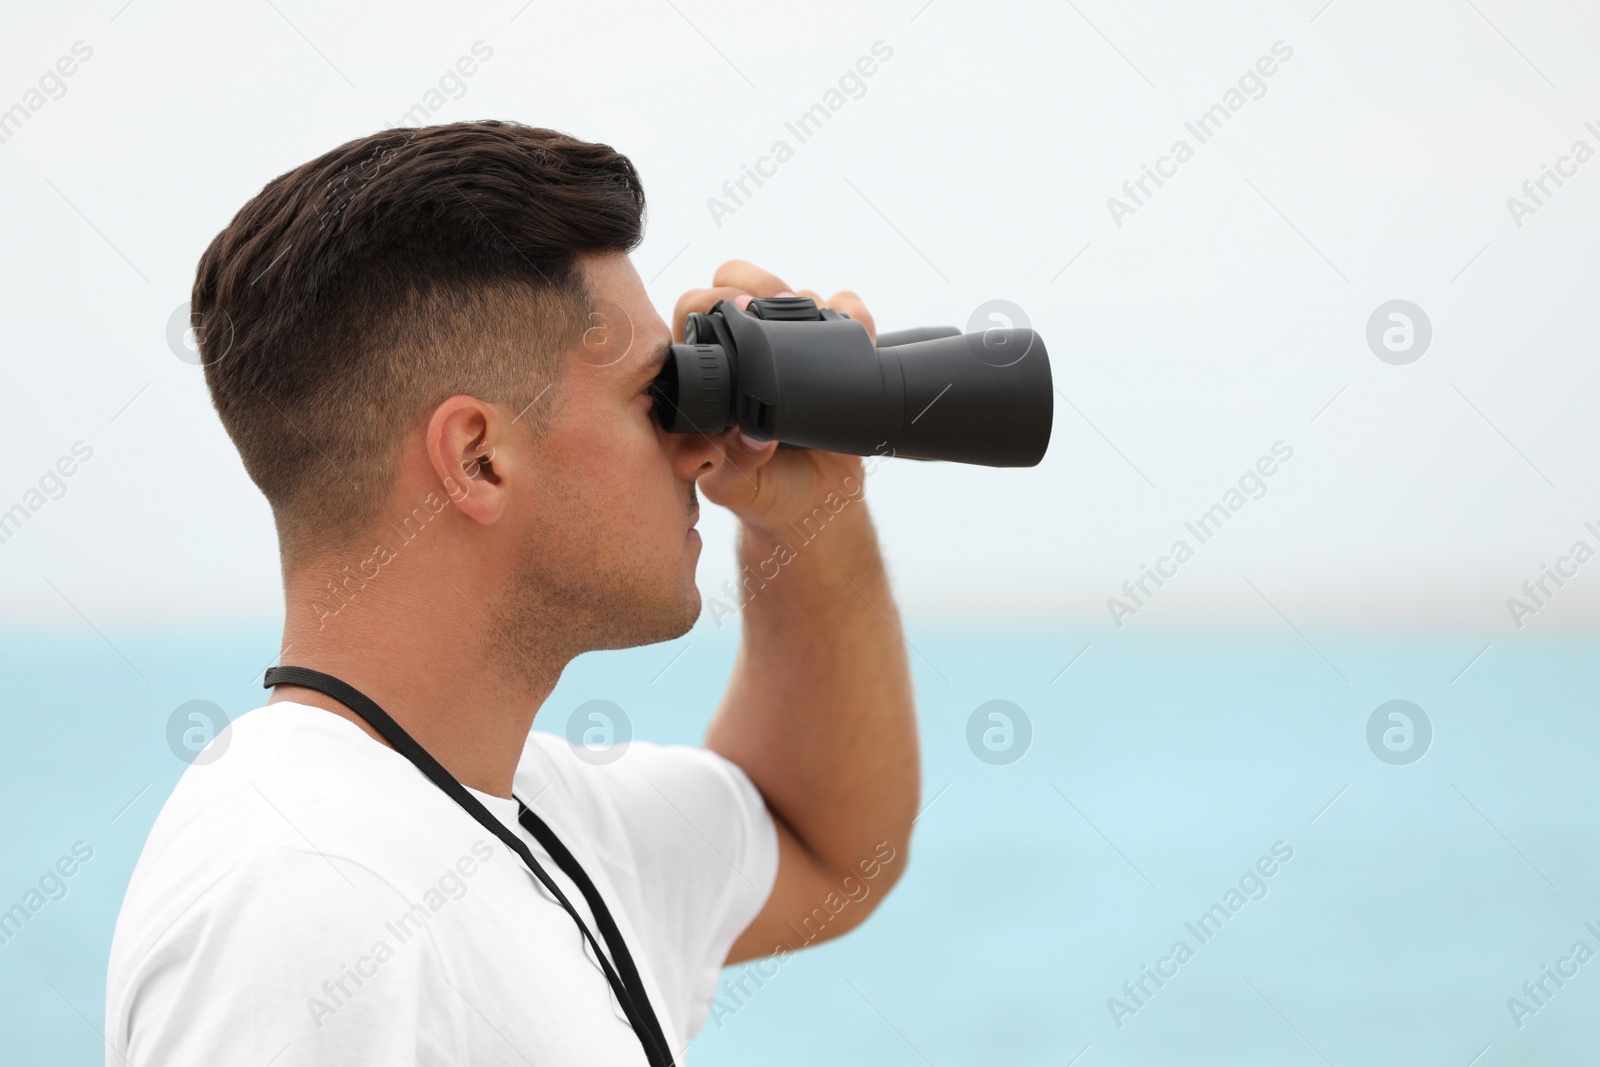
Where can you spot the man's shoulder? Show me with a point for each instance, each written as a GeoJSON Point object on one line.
{"type": "Point", "coordinates": [604, 780]}
{"type": "Point", "coordinates": [642, 805]}
{"type": "Point", "coordinates": [281, 764]}
{"type": "Point", "coordinates": [297, 819]}
{"type": "Point", "coordinates": [280, 781]}
{"type": "Point", "coordinates": [606, 760]}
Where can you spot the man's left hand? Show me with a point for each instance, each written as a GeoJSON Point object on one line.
{"type": "Point", "coordinates": [767, 488]}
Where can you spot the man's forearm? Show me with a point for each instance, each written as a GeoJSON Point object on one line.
{"type": "Point", "coordinates": [820, 711]}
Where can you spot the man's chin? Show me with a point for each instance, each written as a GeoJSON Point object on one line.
{"type": "Point", "coordinates": [542, 615]}
{"type": "Point", "coordinates": [688, 612]}
{"type": "Point", "coordinates": [672, 620]}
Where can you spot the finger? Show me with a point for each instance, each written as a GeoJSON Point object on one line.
{"type": "Point", "coordinates": [701, 301]}
{"type": "Point", "coordinates": [751, 278]}
{"type": "Point", "coordinates": [851, 305]}
{"type": "Point", "coordinates": [734, 482]}
{"type": "Point", "coordinates": [848, 303]}
{"type": "Point", "coordinates": [746, 447]}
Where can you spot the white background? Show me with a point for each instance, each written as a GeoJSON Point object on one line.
{"type": "Point", "coordinates": [1223, 316]}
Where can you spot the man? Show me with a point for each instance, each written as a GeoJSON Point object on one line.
{"type": "Point", "coordinates": [434, 357]}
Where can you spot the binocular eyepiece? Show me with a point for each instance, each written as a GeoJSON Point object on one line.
{"type": "Point", "coordinates": [811, 377]}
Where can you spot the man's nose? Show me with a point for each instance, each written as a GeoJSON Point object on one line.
{"type": "Point", "coordinates": [694, 454]}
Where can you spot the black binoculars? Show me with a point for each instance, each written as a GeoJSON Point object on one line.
{"type": "Point", "coordinates": [811, 377]}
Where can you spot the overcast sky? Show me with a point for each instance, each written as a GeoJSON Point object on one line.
{"type": "Point", "coordinates": [1190, 329]}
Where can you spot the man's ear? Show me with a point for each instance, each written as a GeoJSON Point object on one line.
{"type": "Point", "coordinates": [461, 440]}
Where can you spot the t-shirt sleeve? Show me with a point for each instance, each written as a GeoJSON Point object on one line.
{"type": "Point", "coordinates": [295, 964]}
{"type": "Point", "coordinates": [700, 852]}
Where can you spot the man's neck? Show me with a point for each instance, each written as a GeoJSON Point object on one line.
{"type": "Point", "coordinates": [435, 675]}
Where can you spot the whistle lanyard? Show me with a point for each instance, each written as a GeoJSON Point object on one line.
{"type": "Point", "coordinates": [627, 986]}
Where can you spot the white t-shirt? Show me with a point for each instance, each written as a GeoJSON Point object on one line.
{"type": "Point", "coordinates": [310, 898]}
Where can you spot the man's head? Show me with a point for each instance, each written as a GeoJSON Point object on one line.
{"type": "Point", "coordinates": [450, 311]}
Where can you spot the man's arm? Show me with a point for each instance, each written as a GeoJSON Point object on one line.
{"type": "Point", "coordinates": [820, 714]}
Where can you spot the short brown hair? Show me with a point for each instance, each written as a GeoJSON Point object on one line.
{"type": "Point", "coordinates": [359, 290]}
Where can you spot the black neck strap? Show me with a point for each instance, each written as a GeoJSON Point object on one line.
{"type": "Point", "coordinates": [627, 986]}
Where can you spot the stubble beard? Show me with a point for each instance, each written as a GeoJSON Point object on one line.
{"type": "Point", "coordinates": [544, 620]}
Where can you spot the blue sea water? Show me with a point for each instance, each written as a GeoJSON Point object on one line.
{"type": "Point", "coordinates": [1161, 767]}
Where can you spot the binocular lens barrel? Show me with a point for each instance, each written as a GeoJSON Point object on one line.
{"type": "Point", "coordinates": [973, 398]}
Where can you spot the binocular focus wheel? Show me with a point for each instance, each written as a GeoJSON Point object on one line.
{"type": "Point", "coordinates": [784, 309]}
